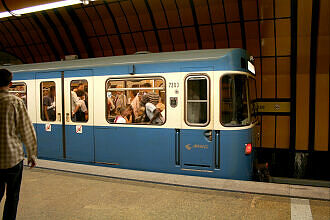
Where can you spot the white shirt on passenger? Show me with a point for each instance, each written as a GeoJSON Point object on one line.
{"type": "Point", "coordinates": [150, 109]}
{"type": "Point", "coordinates": [74, 100]}
{"type": "Point", "coordinates": [81, 103]}
{"type": "Point", "coordinates": [120, 119]}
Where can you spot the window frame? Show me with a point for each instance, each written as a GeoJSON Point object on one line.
{"type": "Point", "coordinates": [79, 80]}
{"type": "Point", "coordinates": [41, 100]}
{"type": "Point", "coordinates": [247, 95]}
{"type": "Point", "coordinates": [208, 101]}
{"type": "Point", "coordinates": [136, 78]}
{"type": "Point", "coordinates": [26, 90]}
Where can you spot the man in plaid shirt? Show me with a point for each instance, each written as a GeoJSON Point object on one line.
{"type": "Point", "coordinates": [15, 128]}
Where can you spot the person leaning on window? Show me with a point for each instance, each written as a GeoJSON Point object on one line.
{"type": "Point", "coordinates": [15, 128]}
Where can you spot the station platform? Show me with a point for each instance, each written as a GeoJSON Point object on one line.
{"type": "Point", "coordinates": [288, 190]}
{"type": "Point", "coordinates": [60, 190]}
{"type": "Point", "coordinates": [49, 193]}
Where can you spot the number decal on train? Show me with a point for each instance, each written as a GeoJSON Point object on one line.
{"type": "Point", "coordinates": [173, 85]}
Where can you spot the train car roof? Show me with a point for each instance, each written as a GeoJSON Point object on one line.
{"type": "Point", "coordinates": [163, 57]}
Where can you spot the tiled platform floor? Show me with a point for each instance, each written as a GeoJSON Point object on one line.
{"type": "Point", "coordinates": [50, 194]}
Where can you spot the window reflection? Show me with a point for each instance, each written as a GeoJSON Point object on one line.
{"type": "Point", "coordinates": [19, 90]}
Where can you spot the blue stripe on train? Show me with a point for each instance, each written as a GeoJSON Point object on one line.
{"type": "Point", "coordinates": [151, 149]}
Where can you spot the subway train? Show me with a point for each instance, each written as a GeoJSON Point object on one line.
{"type": "Point", "coordinates": [187, 112]}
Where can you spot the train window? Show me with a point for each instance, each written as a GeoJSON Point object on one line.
{"type": "Point", "coordinates": [252, 98]}
{"type": "Point", "coordinates": [48, 101]}
{"type": "Point", "coordinates": [20, 90]}
{"type": "Point", "coordinates": [197, 100]}
{"type": "Point", "coordinates": [136, 101]}
{"type": "Point", "coordinates": [234, 100]}
{"type": "Point", "coordinates": [79, 100]}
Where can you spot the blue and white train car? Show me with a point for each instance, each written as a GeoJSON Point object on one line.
{"type": "Point", "coordinates": [207, 107]}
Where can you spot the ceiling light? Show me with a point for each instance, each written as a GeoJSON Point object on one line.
{"type": "Point", "coordinates": [5, 14]}
{"type": "Point", "coordinates": [41, 7]}
{"type": "Point", "coordinates": [85, 2]}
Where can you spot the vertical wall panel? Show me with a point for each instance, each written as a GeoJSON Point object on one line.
{"type": "Point", "coordinates": [283, 77]}
{"type": "Point", "coordinates": [322, 81]}
{"type": "Point", "coordinates": [267, 38]}
{"type": "Point", "coordinates": [257, 66]}
{"type": "Point", "coordinates": [266, 9]}
{"type": "Point", "coordinates": [282, 8]}
{"type": "Point", "coordinates": [252, 38]}
{"type": "Point", "coordinates": [268, 78]}
{"type": "Point", "coordinates": [283, 132]}
{"type": "Point", "coordinates": [303, 58]}
{"type": "Point", "coordinates": [283, 36]}
{"type": "Point", "coordinates": [268, 131]}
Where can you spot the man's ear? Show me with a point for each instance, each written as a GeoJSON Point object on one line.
{"type": "Point", "coordinates": [10, 84]}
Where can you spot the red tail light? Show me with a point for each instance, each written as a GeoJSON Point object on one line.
{"type": "Point", "coordinates": [248, 149]}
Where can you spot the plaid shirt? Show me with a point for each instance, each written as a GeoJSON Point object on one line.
{"type": "Point", "coordinates": [15, 128]}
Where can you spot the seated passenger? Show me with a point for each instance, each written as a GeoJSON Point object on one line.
{"type": "Point", "coordinates": [80, 113]}
{"type": "Point", "coordinates": [129, 114]}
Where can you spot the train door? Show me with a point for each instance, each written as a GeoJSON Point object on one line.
{"type": "Point", "coordinates": [197, 137]}
{"type": "Point", "coordinates": [49, 115]}
{"type": "Point", "coordinates": [79, 120]}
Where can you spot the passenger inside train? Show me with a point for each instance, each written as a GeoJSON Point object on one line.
{"type": "Point", "coordinates": [138, 101]}
{"type": "Point", "coordinates": [79, 101]}
{"type": "Point", "coordinates": [49, 103]}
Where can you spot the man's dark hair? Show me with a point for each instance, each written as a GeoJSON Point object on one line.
{"type": "Point", "coordinates": [52, 88]}
{"type": "Point", "coordinates": [80, 93]}
{"type": "Point", "coordinates": [5, 77]}
{"type": "Point", "coordinates": [146, 85]}
{"type": "Point", "coordinates": [135, 92]}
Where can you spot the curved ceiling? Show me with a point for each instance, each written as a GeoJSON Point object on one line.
{"type": "Point", "coordinates": [108, 28]}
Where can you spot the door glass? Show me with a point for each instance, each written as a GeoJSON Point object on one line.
{"type": "Point", "coordinates": [48, 101]}
{"type": "Point", "coordinates": [79, 100]}
{"type": "Point", "coordinates": [234, 100]}
{"type": "Point", "coordinates": [19, 90]}
{"type": "Point", "coordinates": [197, 100]}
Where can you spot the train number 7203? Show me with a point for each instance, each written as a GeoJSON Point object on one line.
{"type": "Point", "coordinates": [173, 85]}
